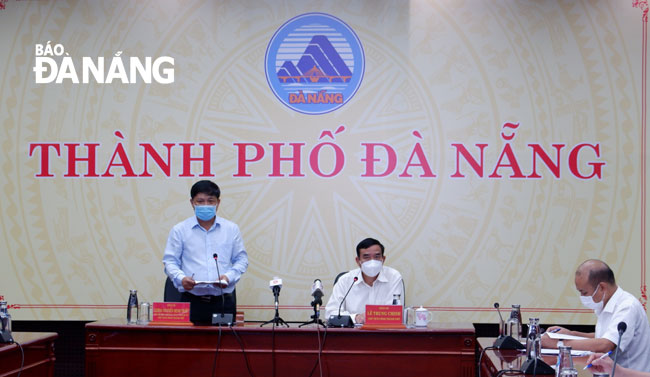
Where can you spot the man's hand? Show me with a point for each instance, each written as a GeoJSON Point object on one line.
{"type": "Point", "coordinates": [223, 277]}
{"type": "Point", "coordinates": [188, 283]}
{"type": "Point", "coordinates": [547, 342]}
{"type": "Point", "coordinates": [360, 318]}
{"type": "Point", "coordinates": [558, 329]}
{"type": "Point", "coordinates": [600, 365]}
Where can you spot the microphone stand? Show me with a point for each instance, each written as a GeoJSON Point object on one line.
{"type": "Point", "coordinates": [534, 364]}
{"type": "Point", "coordinates": [622, 326]}
{"type": "Point", "coordinates": [222, 318]}
{"type": "Point", "coordinates": [316, 304]}
{"type": "Point", "coordinates": [342, 320]}
{"type": "Point", "coordinates": [505, 342]}
{"type": "Point", "coordinates": [276, 320]}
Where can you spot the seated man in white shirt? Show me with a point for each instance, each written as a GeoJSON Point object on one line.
{"type": "Point", "coordinates": [376, 283]}
{"type": "Point", "coordinates": [612, 305]}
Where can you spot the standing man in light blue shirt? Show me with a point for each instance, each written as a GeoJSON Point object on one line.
{"type": "Point", "coordinates": [190, 256]}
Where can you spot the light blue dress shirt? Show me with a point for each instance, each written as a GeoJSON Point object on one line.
{"type": "Point", "coordinates": [189, 252]}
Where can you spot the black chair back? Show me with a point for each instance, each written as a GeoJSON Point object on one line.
{"type": "Point", "coordinates": [339, 275]}
{"type": "Point", "coordinates": [171, 294]}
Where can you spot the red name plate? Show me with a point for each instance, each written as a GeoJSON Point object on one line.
{"type": "Point", "coordinates": [171, 312]}
{"type": "Point", "coordinates": [384, 315]}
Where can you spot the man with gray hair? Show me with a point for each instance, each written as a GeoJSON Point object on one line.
{"type": "Point", "coordinates": [595, 282]}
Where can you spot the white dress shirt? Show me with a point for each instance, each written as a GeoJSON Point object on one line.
{"type": "Point", "coordinates": [389, 282]}
{"type": "Point", "coordinates": [190, 249]}
{"type": "Point", "coordinates": [635, 343]}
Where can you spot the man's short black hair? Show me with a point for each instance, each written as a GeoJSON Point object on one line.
{"type": "Point", "coordinates": [367, 243]}
{"type": "Point", "coordinates": [205, 187]}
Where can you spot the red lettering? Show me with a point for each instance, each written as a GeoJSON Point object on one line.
{"type": "Point", "coordinates": [477, 166]}
{"type": "Point", "coordinates": [513, 164]}
{"type": "Point", "coordinates": [294, 159]}
{"type": "Point", "coordinates": [314, 160]}
{"type": "Point", "coordinates": [124, 162]}
{"type": "Point", "coordinates": [370, 159]}
{"type": "Point", "coordinates": [44, 170]}
{"type": "Point", "coordinates": [242, 160]}
{"type": "Point", "coordinates": [90, 159]}
{"type": "Point", "coordinates": [573, 161]}
{"type": "Point", "coordinates": [553, 167]}
{"type": "Point", "coordinates": [422, 162]}
{"type": "Point", "coordinates": [204, 159]}
{"type": "Point", "coordinates": [149, 150]}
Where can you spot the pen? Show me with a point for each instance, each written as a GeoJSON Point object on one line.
{"type": "Point", "coordinates": [600, 358]}
{"type": "Point", "coordinates": [556, 330]}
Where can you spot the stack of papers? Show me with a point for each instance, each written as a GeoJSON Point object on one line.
{"type": "Point", "coordinates": [554, 335]}
{"type": "Point", "coordinates": [554, 351]}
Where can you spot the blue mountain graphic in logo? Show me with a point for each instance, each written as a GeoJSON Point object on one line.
{"type": "Point", "coordinates": [314, 63]}
{"type": "Point", "coordinates": [319, 63]}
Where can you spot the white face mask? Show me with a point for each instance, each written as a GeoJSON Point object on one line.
{"type": "Point", "coordinates": [371, 268]}
{"type": "Point", "coordinates": [588, 302]}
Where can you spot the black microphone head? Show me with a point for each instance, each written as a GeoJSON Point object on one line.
{"type": "Point", "coordinates": [355, 279]}
{"type": "Point", "coordinates": [622, 326]}
{"type": "Point", "coordinates": [214, 255]}
{"type": "Point", "coordinates": [496, 305]}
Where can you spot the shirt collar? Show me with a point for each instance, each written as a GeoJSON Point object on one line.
{"type": "Point", "coordinates": [382, 276]}
{"type": "Point", "coordinates": [357, 273]}
{"type": "Point", "coordinates": [611, 304]}
{"type": "Point", "coordinates": [195, 222]}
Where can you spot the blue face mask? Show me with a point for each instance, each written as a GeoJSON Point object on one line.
{"type": "Point", "coordinates": [205, 213]}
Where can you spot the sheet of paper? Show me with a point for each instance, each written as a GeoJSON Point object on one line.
{"type": "Point", "coordinates": [555, 335]}
{"type": "Point", "coordinates": [554, 351]}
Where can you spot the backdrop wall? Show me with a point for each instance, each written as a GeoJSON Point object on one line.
{"type": "Point", "coordinates": [491, 146]}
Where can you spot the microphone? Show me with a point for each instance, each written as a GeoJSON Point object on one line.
{"type": "Point", "coordinates": [215, 256]}
{"type": "Point", "coordinates": [505, 342]}
{"type": "Point", "coordinates": [346, 295]}
{"type": "Point", "coordinates": [534, 364]}
{"type": "Point", "coordinates": [317, 292]}
{"type": "Point", "coordinates": [275, 284]}
{"type": "Point", "coordinates": [223, 319]}
{"type": "Point", "coordinates": [345, 320]}
{"type": "Point", "coordinates": [501, 324]}
{"type": "Point", "coordinates": [622, 326]}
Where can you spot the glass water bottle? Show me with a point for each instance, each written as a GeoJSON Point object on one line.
{"type": "Point", "coordinates": [565, 363]}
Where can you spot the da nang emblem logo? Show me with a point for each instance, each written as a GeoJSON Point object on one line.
{"type": "Point", "coordinates": [314, 63]}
